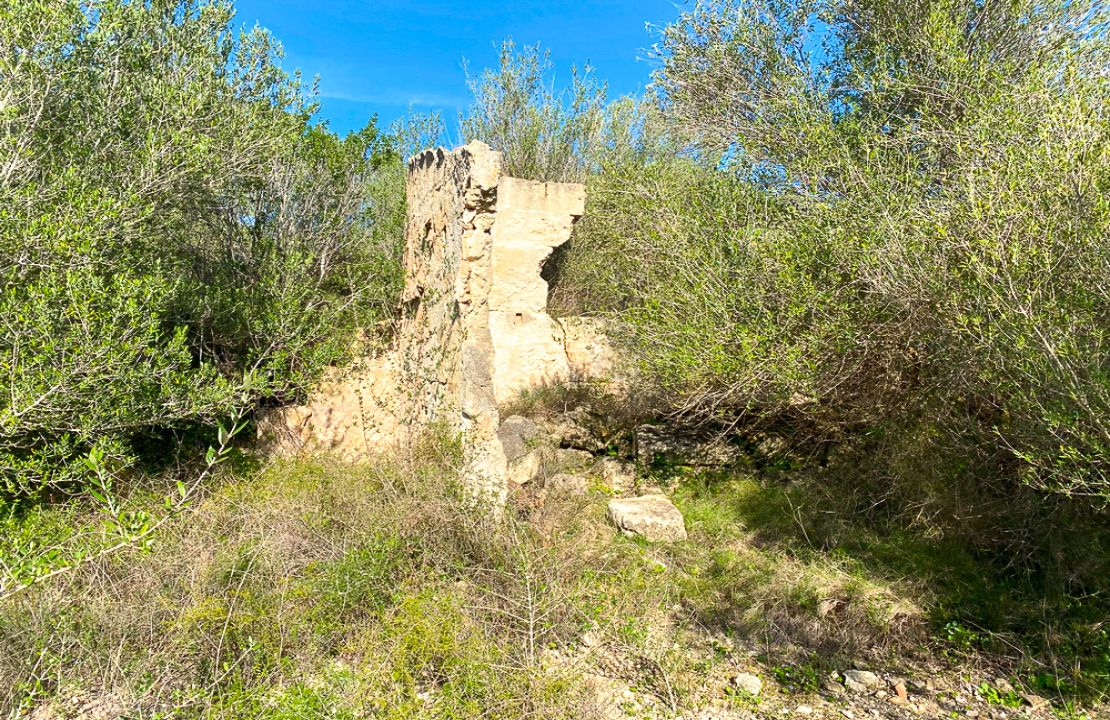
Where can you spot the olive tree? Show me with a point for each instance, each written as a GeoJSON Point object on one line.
{"type": "Point", "coordinates": [170, 219]}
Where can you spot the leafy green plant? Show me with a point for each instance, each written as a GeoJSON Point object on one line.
{"type": "Point", "coordinates": [543, 134]}
{"type": "Point", "coordinates": [24, 565]}
{"type": "Point", "coordinates": [171, 219]}
{"type": "Point", "coordinates": [797, 678]}
{"type": "Point", "coordinates": [883, 246]}
{"type": "Point", "coordinates": [996, 696]}
{"type": "Point", "coordinates": [830, 258]}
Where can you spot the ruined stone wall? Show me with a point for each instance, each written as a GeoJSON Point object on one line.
{"type": "Point", "coordinates": [444, 347]}
{"type": "Point", "coordinates": [533, 219]}
{"type": "Point", "coordinates": [474, 330]}
{"type": "Point", "coordinates": [452, 201]}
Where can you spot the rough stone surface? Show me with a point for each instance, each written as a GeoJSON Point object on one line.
{"type": "Point", "coordinates": [861, 680]}
{"type": "Point", "coordinates": [524, 470]}
{"type": "Point", "coordinates": [572, 430]}
{"type": "Point", "coordinates": [655, 443]}
{"type": "Point", "coordinates": [352, 413]}
{"type": "Point", "coordinates": [474, 330]}
{"type": "Point", "coordinates": [618, 476]}
{"type": "Point", "coordinates": [521, 441]}
{"type": "Point", "coordinates": [749, 683]}
{"type": "Point", "coordinates": [518, 436]}
{"type": "Point", "coordinates": [528, 353]}
{"type": "Point", "coordinates": [569, 459]}
{"type": "Point", "coordinates": [652, 517]}
{"type": "Point", "coordinates": [566, 484]}
{"type": "Point", "coordinates": [590, 354]}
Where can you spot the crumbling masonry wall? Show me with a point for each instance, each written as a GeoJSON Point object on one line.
{"type": "Point", "coordinates": [474, 330]}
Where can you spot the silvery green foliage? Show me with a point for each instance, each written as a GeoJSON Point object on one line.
{"type": "Point", "coordinates": [170, 219]}
{"type": "Point", "coordinates": [893, 219]}
{"type": "Point", "coordinates": [545, 134]}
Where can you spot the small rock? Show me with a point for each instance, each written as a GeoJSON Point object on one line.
{"type": "Point", "coordinates": [524, 469]}
{"type": "Point", "coordinates": [518, 436]}
{"type": "Point", "coordinates": [921, 686]}
{"type": "Point", "coordinates": [1034, 701]}
{"type": "Point", "coordinates": [749, 683]}
{"type": "Point", "coordinates": [898, 700]}
{"type": "Point", "coordinates": [652, 517]}
{"type": "Point", "coordinates": [971, 713]}
{"type": "Point", "coordinates": [900, 690]}
{"type": "Point", "coordinates": [861, 680]}
{"type": "Point", "coordinates": [804, 710]}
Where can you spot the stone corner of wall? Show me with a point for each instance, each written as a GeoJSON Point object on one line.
{"type": "Point", "coordinates": [475, 331]}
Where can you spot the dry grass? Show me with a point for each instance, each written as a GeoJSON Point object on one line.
{"type": "Point", "coordinates": [321, 589]}
{"type": "Point", "coordinates": [358, 588]}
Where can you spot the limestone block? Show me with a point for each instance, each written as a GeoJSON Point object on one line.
{"type": "Point", "coordinates": [542, 198]}
{"type": "Point", "coordinates": [590, 354]}
{"type": "Point", "coordinates": [528, 353]}
{"type": "Point", "coordinates": [520, 439]}
{"type": "Point", "coordinates": [517, 284]}
{"type": "Point", "coordinates": [524, 469]}
{"type": "Point", "coordinates": [652, 517]}
{"type": "Point", "coordinates": [533, 218]}
{"type": "Point", "coordinates": [519, 436]}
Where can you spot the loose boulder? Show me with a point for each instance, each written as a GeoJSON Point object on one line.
{"type": "Point", "coordinates": [749, 683]}
{"type": "Point", "coordinates": [518, 437]}
{"type": "Point", "coordinates": [652, 517]}
{"type": "Point", "coordinates": [861, 680]}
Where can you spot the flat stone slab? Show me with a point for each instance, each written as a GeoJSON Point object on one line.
{"type": "Point", "coordinates": [652, 517]}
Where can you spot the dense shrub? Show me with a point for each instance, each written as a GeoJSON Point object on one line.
{"type": "Point", "coordinates": [893, 216]}
{"type": "Point", "coordinates": [169, 219]}
{"type": "Point", "coordinates": [880, 262]}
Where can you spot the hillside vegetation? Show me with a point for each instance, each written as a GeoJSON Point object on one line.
{"type": "Point", "coordinates": [171, 221]}
{"type": "Point", "coordinates": [861, 241]}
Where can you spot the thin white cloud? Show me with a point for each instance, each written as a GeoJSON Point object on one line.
{"type": "Point", "coordinates": [398, 97]}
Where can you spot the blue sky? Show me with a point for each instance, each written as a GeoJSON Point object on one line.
{"type": "Point", "coordinates": [381, 56]}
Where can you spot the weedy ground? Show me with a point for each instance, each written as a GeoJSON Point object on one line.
{"type": "Point", "coordinates": [318, 589]}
